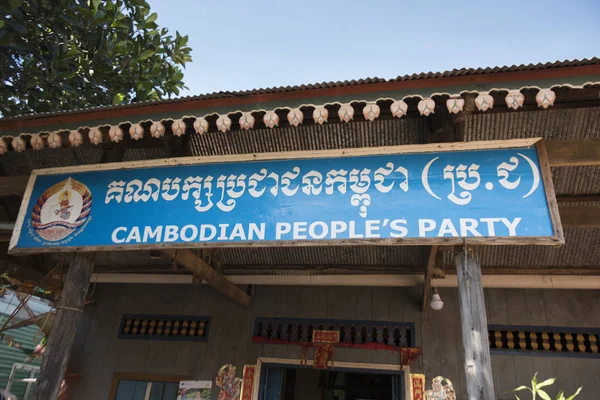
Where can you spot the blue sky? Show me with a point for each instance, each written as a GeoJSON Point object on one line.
{"type": "Point", "coordinates": [246, 44]}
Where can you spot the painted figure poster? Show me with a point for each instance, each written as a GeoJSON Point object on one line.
{"type": "Point", "coordinates": [194, 390]}
{"type": "Point", "coordinates": [230, 385]}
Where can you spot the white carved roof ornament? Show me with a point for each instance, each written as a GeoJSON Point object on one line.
{"type": "Point", "coordinates": [545, 98]}
{"type": "Point", "coordinates": [18, 144]}
{"type": "Point", "coordinates": [115, 133]}
{"type": "Point", "coordinates": [484, 101]}
{"type": "Point", "coordinates": [36, 142]}
{"type": "Point", "coordinates": [320, 115]}
{"type": "Point", "coordinates": [136, 131]}
{"type": "Point", "coordinates": [54, 140]}
{"type": "Point", "coordinates": [75, 138]}
{"type": "Point", "coordinates": [95, 136]}
{"type": "Point", "coordinates": [514, 99]}
{"type": "Point", "coordinates": [371, 110]}
{"type": "Point", "coordinates": [426, 107]}
{"type": "Point", "coordinates": [455, 104]}
{"type": "Point", "coordinates": [295, 116]}
{"type": "Point", "coordinates": [178, 127]}
{"type": "Point", "coordinates": [247, 121]}
{"type": "Point", "coordinates": [157, 129]}
{"type": "Point", "coordinates": [223, 123]}
{"type": "Point", "coordinates": [399, 108]}
{"type": "Point", "coordinates": [201, 125]}
{"type": "Point", "coordinates": [346, 112]}
{"type": "Point", "coordinates": [271, 119]}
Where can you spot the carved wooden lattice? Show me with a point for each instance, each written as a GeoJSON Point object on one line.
{"type": "Point", "coordinates": [554, 341]}
{"type": "Point", "coordinates": [352, 332]}
{"type": "Point", "coordinates": [164, 327]}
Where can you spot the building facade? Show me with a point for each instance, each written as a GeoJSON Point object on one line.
{"type": "Point", "coordinates": [156, 315]}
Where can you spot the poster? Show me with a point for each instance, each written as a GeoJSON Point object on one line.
{"type": "Point", "coordinates": [417, 386]}
{"type": "Point", "coordinates": [194, 390]}
{"type": "Point", "coordinates": [248, 382]}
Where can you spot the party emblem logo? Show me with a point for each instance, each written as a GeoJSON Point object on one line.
{"type": "Point", "coordinates": [61, 210]}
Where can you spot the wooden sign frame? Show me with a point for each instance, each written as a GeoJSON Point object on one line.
{"type": "Point", "coordinates": [556, 240]}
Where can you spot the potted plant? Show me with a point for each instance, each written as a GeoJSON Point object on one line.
{"type": "Point", "coordinates": [536, 390]}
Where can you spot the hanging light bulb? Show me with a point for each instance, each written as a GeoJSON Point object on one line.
{"type": "Point", "coordinates": [436, 301]}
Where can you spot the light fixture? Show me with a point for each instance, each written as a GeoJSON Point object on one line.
{"type": "Point", "coordinates": [436, 301]}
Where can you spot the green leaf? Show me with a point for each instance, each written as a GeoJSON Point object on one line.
{"type": "Point", "coordinates": [543, 395]}
{"type": "Point", "coordinates": [95, 5]}
{"type": "Point", "coordinates": [576, 394]}
{"type": "Point", "coordinates": [146, 54]}
{"type": "Point", "coordinates": [120, 24]}
{"type": "Point", "coordinates": [151, 18]}
{"type": "Point", "coordinates": [118, 98]}
{"type": "Point", "coordinates": [177, 76]}
{"type": "Point", "coordinates": [16, 26]}
{"type": "Point", "coordinates": [521, 388]}
{"type": "Point", "coordinates": [15, 3]}
{"type": "Point", "coordinates": [534, 381]}
{"type": "Point", "coordinates": [1, 23]}
{"type": "Point", "coordinates": [547, 382]}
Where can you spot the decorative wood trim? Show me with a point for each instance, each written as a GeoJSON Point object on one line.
{"type": "Point", "coordinates": [549, 341]}
{"type": "Point", "coordinates": [275, 330]}
{"type": "Point", "coordinates": [203, 322]}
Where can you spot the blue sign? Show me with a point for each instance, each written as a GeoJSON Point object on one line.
{"type": "Point", "coordinates": [392, 198]}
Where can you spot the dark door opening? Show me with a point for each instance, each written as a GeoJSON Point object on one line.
{"type": "Point", "coordinates": [281, 383]}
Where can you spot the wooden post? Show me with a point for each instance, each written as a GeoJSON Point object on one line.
{"type": "Point", "coordinates": [58, 349]}
{"type": "Point", "coordinates": [478, 366]}
{"type": "Point", "coordinates": [203, 271]}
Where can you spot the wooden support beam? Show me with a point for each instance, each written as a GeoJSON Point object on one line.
{"type": "Point", "coordinates": [580, 217]}
{"type": "Point", "coordinates": [433, 252]}
{"type": "Point", "coordinates": [561, 153]}
{"type": "Point", "coordinates": [31, 275]}
{"type": "Point", "coordinates": [13, 185]}
{"type": "Point", "coordinates": [573, 153]}
{"type": "Point", "coordinates": [202, 270]}
{"type": "Point", "coordinates": [58, 349]}
{"type": "Point", "coordinates": [478, 366]}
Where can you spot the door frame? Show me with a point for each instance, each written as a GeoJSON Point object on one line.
{"type": "Point", "coordinates": [262, 362]}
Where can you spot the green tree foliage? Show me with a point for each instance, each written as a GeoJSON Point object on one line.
{"type": "Point", "coordinates": [66, 54]}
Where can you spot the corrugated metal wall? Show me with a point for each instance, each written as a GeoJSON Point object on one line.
{"type": "Point", "coordinates": [11, 355]}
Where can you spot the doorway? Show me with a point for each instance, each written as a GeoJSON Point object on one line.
{"type": "Point", "coordinates": [295, 382]}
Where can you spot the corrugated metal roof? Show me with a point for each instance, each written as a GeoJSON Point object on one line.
{"type": "Point", "coordinates": [381, 132]}
{"type": "Point", "coordinates": [15, 164]}
{"type": "Point", "coordinates": [551, 124]}
{"type": "Point", "coordinates": [573, 181]}
{"type": "Point", "coordinates": [400, 256]}
{"type": "Point", "coordinates": [331, 84]}
{"type": "Point", "coordinates": [12, 355]}
{"type": "Point", "coordinates": [581, 250]}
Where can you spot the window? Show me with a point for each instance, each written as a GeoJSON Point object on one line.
{"type": "Point", "coordinates": [145, 387]}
